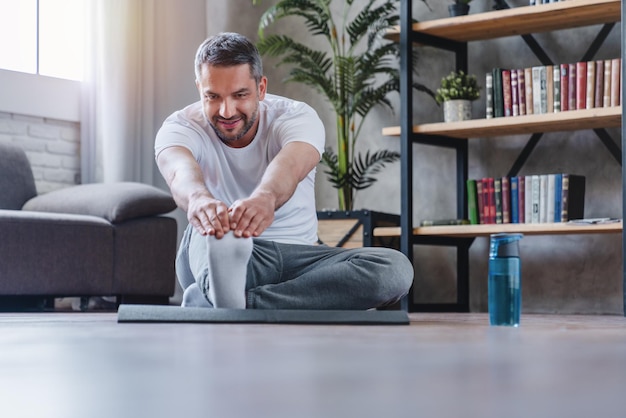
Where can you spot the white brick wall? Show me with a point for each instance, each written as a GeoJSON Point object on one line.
{"type": "Point", "coordinates": [52, 147]}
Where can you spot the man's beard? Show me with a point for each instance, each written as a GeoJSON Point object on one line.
{"type": "Point", "coordinates": [248, 123]}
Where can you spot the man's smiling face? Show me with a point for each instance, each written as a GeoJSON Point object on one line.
{"type": "Point", "coordinates": [230, 99]}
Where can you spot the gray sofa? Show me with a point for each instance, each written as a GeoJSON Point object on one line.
{"type": "Point", "coordinates": [85, 240]}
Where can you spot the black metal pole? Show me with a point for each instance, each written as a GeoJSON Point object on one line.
{"type": "Point", "coordinates": [406, 129]}
{"type": "Point", "coordinates": [623, 94]}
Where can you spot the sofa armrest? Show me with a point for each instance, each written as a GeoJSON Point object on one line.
{"type": "Point", "coordinates": [115, 202]}
{"type": "Point", "coordinates": [45, 253]}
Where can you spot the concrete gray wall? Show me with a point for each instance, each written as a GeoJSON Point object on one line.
{"type": "Point", "coordinates": [564, 274]}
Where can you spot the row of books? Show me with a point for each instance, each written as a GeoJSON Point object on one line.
{"type": "Point", "coordinates": [553, 88]}
{"type": "Point", "coordinates": [543, 198]}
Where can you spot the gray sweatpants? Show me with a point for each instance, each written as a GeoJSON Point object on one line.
{"type": "Point", "coordinates": [290, 276]}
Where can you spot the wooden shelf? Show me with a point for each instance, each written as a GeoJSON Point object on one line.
{"type": "Point", "coordinates": [574, 120]}
{"type": "Point", "coordinates": [520, 20]}
{"type": "Point", "coordinates": [486, 230]}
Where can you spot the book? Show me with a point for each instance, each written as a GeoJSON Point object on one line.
{"type": "Point", "coordinates": [479, 201]}
{"type": "Point", "coordinates": [572, 197]}
{"type": "Point", "coordinates": [528, 197]}
{"type": "Point", "coordinates": [472, 203]}
{"type": "Point", "coordinates": [521, 197]}
{"type": "Point", "coordinates": [543, 198]}
{"type": "Point", "coordinates": [557, 197]}
{"type": "Point", "coordinates": [564, 87]}
{"type": "Point", "coordinates": [571, 85]}
{"type": "Point", "coordinates": [489, 95]}
{"type": "Point", "coordinates": [549, 69]}
{"type": "Point", "coordinates": [581, 85]}
{"type": "Point", "coordinates": [606, 98]}
{"type": "Point", "coordinates": [521, 91]}
{"type": "Point", "coordinates": [491, 202]}
{"type": "Point", "coordinates": [556, 83]}
{"type": "Point", "coordinates": [616, 73]}
{"type": "Point", "coordinates": [599, 89]}
{"type": "Point", "coordinates": [539, 90]}
{"type": "Point", "coordinates": [485, 199]}
{"type": "Point", "coordinates": [444, 222]}
{"type": "Point", "coordinates": [498, 103]}
{"type": "Point", "coordinates": [507, 97]}
{"type": "Point", "coordinates": [528, 83]}
{"type": "Point", "coordinates": [550, 201]}
{"type": "Point", "coordinates": [497, 182]}
{"type": "Point", "coordinates": [590, 89]}
{"type": "Point", "coordinates": [535, 198]}
{"type": "Point", "coordinates": [514, 200]}
{"type": "Point", "coordinates": [595, 221]}
{"type": "Point", "coordinates": [543, 89]}
{"type": "Point", "coordinates": [514, 93]}
{"type": "Point", "coordinates": [506, 200]}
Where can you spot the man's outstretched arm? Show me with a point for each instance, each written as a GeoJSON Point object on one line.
{"type": "Point", "coordinates": [183, 175]}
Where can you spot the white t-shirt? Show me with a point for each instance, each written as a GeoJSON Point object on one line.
{"type": "Point", "coordinates": [234, 173]}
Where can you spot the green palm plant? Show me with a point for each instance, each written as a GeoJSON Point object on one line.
{"type": "Point", "coordinates": [356, 73]}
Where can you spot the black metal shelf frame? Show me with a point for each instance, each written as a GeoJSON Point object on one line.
{"type": "Point", "coordinates": [407, 139]}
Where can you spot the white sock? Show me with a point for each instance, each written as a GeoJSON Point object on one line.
{"type": "Point", "coordinates": [193, 297]}
{"type": "Point", "coordinates": [228, 265]}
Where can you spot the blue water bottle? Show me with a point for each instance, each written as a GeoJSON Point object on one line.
{"type": "Point", "coordinates": [505, 297]}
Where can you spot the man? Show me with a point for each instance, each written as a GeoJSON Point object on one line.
{"type": "Point", "coordinates": [241, 163]}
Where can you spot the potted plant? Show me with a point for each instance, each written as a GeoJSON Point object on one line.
{"type": "Point", "coordinates": [456, 92]}
{"type": "Point", "coordinates": [459, 7]}
{"type": "Point", "coordinates": [355, 73]}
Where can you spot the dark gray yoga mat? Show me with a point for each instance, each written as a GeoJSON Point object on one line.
{"type": "Point", "coordinates": [166, 313]}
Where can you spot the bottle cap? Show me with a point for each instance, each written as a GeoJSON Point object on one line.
{"type": "Point", "coordinates": [505, 245]}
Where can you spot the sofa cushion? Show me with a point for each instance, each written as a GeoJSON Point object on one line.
{"type": "Point", "coordinates": [17, 184]}
{"type": "Point", "coordinates": [115, 202]}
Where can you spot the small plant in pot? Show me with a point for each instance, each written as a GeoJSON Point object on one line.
{"type": "Point", "coordinates": [459, 7]}
{"type": "Point", "coordinates": [456, 92]}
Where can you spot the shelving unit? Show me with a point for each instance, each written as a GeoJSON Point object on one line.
{"type": "Point", "coordinates": [453, 34]}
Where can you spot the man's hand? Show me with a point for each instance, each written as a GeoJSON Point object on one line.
{"type": "Point", "coordinates": [250, 217]}
{"type": "Point", "coordinates": [208, 215]}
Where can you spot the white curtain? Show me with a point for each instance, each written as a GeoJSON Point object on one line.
{"type": "Point", "coordinates": [117, 127]}
{"type": "Point", "coordinates": [139, 70]}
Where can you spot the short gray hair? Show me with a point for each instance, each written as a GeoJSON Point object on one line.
{"type": "Point", "coordinates": [229, 49]}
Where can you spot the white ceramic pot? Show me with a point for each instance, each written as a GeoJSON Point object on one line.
{"type": "Point", "coordinates": [456, 110]}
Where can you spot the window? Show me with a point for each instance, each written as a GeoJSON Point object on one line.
{"type": "Point", "coordinates": [43, 37]}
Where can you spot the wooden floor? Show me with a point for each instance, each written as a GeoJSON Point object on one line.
{"type": "Point", "coordinates": [442, 365]}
